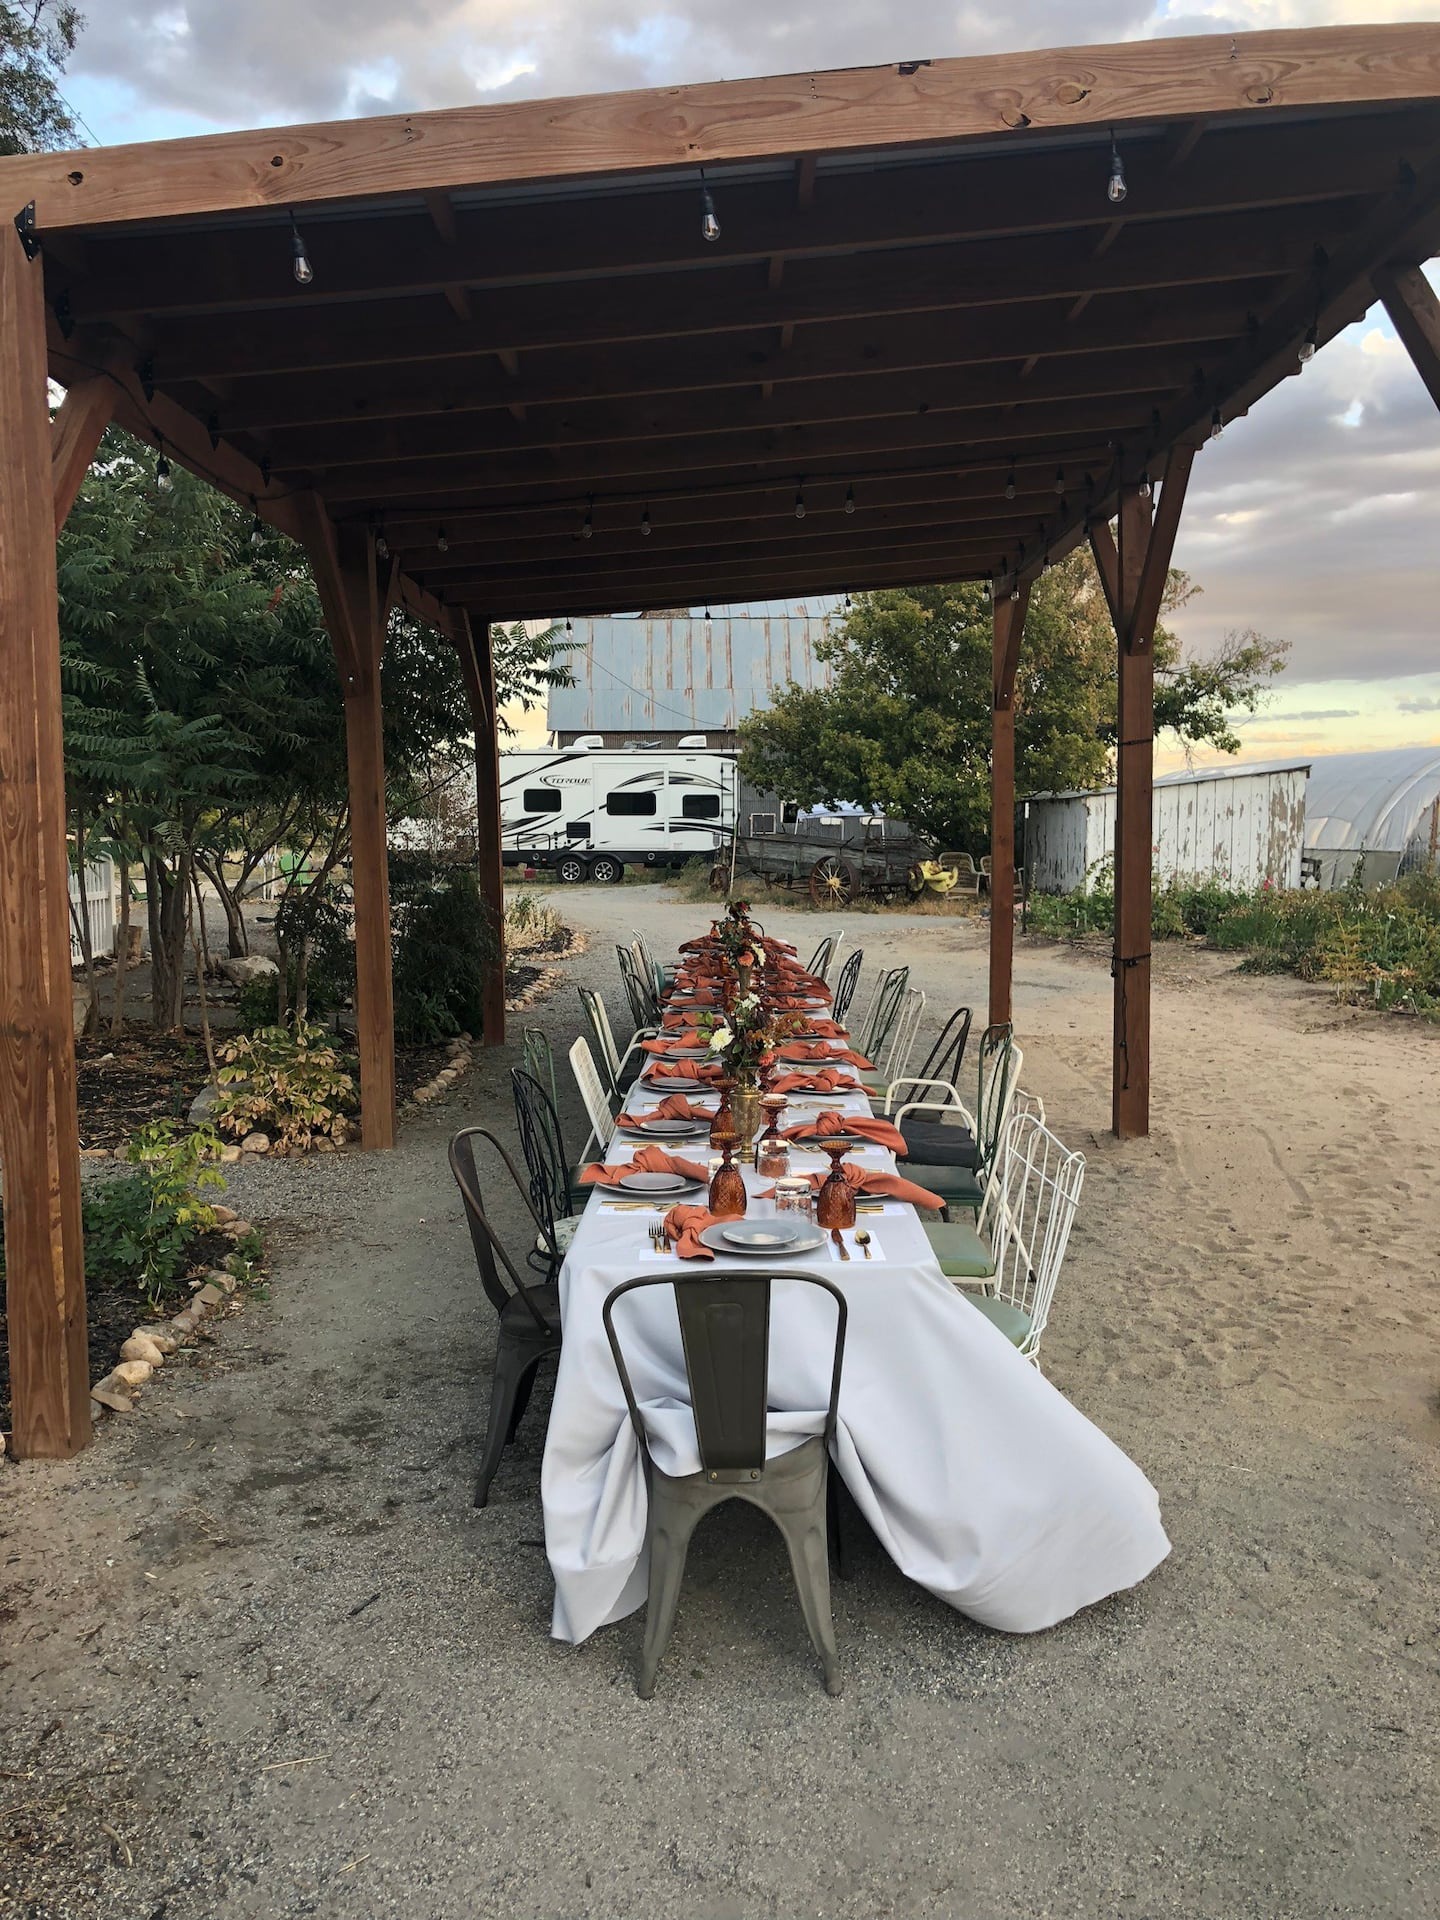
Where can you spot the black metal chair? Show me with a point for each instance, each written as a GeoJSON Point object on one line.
{"type": "Point", "coordinates": [528, 1312]}
{"type": "Point", "coordinates": [846, 984]}
{"type": "Point", "coordinates": [820, 960]}
{"type": "Point", "coordinates": [933, 1139]}
{"type": "Point", "coordinates": [725, 1332]}
{"type": "Point", "coordinates": [555, 1188]}
{"type": "Point", "coordinates": [942, 1065]}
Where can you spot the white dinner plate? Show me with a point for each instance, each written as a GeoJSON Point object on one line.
{"type": "Point", "coordinates": [671, 1129]}
{"type": "Point", "coordinates": [718, 1239]}
{"type": "Point", "coordinates": [656, 1183]}
{"type": "Point", "coordinates": [676, 1082]}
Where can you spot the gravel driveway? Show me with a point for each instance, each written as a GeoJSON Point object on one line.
{"type": "Point", "coordinates": [260, 1657]}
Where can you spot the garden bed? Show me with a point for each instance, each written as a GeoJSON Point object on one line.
{"type": "Point", "coordinates": [124, 1084]}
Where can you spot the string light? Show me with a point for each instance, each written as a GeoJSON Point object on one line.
{"type": "Point", "coordinates": [382, 545]}
{"type": "Point", "coordinates": [164, 479]}
{"type": "Point", "coordinates": [1309, 346]}
{"type": "Point", "coordinates": [441, 540]}
{"type": "Point", "coordinates": [1116, 188]}
{"type": "Point", "coordinates": [850, 498]}
{"type": "Point", "coordinates": [645, 527]}
{"type": "Point", "coordinates": [1146, 489]}
{"type": "Point", "coordinates": [1217, 425]}
{"type": "Point", "coordinates": [569, 626]}
{"type": "Point", "coordinates": [301, 267]}
{"type": "Point", "coordinates": [587, 525]}
{"type": "Point", "coordinates": [1010, 483]}
{"type": "Point", "coordinates": [257, 525]}
{"type": "Point", "coordinates": [709, 225]}
{"type": "Point", "coordinates": [800, 501]}
{"type": "Point", "coordinates": [1060, 480]}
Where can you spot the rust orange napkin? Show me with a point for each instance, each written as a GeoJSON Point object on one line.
{"type": "Point", "coordinates": [647, 1160]}
{"type": "Point", "coordinates": [872, 1181]}
{"type": "Point", "coordinates": [821, 1080]}
{"type": "Point", "coordinates": [705, 1071]}
{"type": "Point", "coordinates": [675, 1106]}
{"type": "Point", "coordinates": [822, 1053]}
{"type": "Point", "coordinates": [683, 1227]}
{"type": "Point", "coordinates": [828, 1125]}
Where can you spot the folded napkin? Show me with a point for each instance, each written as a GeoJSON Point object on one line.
{"type": "Point", "coordinates": [820, 1080]}
{"type": "Point", "coordinates": [679, 1021]}
{"type": "Point", "coordinates": [871, 1180]}
{"type": "Point", "coordinates": [802, 1002]}
{"type": "Point", "coordinates": [822, 1053]}
{"type": "Point", "coordinates": [675, 1106]}
{"type": "Point", "coordinates": [828, 1126]}
{"type": "Point", "coordinates": [704, 1070]}
{"type": "Point", "coordinates": [829, 1029]}
{"type": "Point", "coordinates": [683, 1227]}
{"type": "Point", "coordinates": [681, 1037]}
{"type": "Point", "coordinates": [647, 1160]}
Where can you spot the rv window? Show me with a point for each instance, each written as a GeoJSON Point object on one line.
{"type": "Point", "coordinates": [630, 802]}
{"type": "Point", "coordinates": [762, 823]}
{"type": "Point", "coordinates": [700, 806]}
{"type": "Point", "coordinates": [542, 799]}
{"type": "Point", "coordinates": [577, 829]}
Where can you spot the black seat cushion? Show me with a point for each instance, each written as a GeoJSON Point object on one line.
{"type": "Point", "coordinates": [940, 1143]}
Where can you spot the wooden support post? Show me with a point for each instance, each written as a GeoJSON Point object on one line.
{"type": "Point", "coordinates": [1134, 580]}
{"type": "Point", "coordinates": [1412, 305]}
{"type": "Point", "coordinates": [1009, 621]}
{"type": "Point", "coordinates": [477, 663]}
{"type": "Point", "coordinates": [75, 434]}
{"type": "Point", "coordinates": [343, 560]}
{"type": "Point", "coordinates": [39, 1133]}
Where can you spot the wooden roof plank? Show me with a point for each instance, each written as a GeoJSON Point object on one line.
{"type": "Point", "coordinates": [866, 108]}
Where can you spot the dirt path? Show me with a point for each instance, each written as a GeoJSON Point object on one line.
{"type": "Point", "coordinates": [259, 1635]}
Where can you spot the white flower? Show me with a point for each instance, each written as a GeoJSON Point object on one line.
{"type": "Point", "coordinates": [720, 1039]}
{"type": "Point", "coordinates": [749, 1004]}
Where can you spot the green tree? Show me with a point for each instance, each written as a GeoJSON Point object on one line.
{"type": "Point", "coordinates": [36, 39]}
{"type": "Point", "coordinates": [904, 724]}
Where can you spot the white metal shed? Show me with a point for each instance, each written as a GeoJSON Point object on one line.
{"type": "Point", "coordinates": [1240, 825]}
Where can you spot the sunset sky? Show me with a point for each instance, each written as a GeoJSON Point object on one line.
{"type": "Point", "coordinates": [1313, 520]}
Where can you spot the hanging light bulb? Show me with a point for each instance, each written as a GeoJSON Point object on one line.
{"type": "Point", "coordinates": [1310, 345]}
{"type": "Point", "coordinates": [1010, 484]}
{"type": "Point", "coordinates": [848, 603]}
{"type": "Point", "coordinates": [301, 267]}
{"type": "Point", "coordinates": [645, 527]}
{"type": "Point", "coordinates": [1217, 425]}
{"type": "Point", "coordinates": [800, 502]}
{"type": "Point", "coordinates": [587, 525]}
{"type": "Point", "coordinates": [1146, 488]}
{"type": "Point", "coordinates": [1117, 188]}
{"type": "Point", "coordinates": [569, 626]}
{"type": "Point", "coordinates": [441, 541]}
{"type": "Point", "coordinates": [1060, 480]}
{"type": "Point", "coordinates": [382, 545]}
{"type": "Point", "coordinates": [257, 525]}
{"type": "Point", "coordinates": [709, 225]}
{"type": "Point", "coordinates": [850, 498]}
{"type": "Point", "coordinates": [164, 479]}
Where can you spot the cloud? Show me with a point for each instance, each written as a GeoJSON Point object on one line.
{"type": "Point", "coordinates": [1419, 703]}
{"type": "Point", "coordinates": [1318, 713]}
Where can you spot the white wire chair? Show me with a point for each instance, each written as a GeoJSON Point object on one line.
{"type": "Point", "coordinates": [1031, 1209]}
{"type": "Point", "coordinates": [592, 1092]}
{"type": "Point", "coordinates": [651, 979]}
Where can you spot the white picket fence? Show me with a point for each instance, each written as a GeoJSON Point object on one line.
{"type": "Point", "coordinates": [99, 883]}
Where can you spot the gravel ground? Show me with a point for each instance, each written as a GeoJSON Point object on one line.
{"type": "Point", "coordinates": [259, 1655]}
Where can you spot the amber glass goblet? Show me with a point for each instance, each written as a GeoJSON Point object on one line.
{"type": "Point", "coordinates": [727, 1187]}
{"type": "Point", "coordinates": [835, 1205]}
{"type": "Point", "coordinates": [723, 1130]}
{"type": "Point", "coordinates": [772, 1152]}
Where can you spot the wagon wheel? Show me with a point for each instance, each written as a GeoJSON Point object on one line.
{"type": "Point", "coordinates": [720, 877]}
{"type": "Point", "coordinates": [914, 880]}
{"type": "Point", "coordinates": [833, 882]}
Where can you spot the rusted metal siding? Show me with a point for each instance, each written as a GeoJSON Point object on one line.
{"type": "Point", "coordinates": [677, 671]}
{"type": "Point", "coordinates": [1241, 827]}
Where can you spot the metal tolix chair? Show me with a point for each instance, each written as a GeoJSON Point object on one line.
{"type": "Point", "coordinates": [725, 1331]}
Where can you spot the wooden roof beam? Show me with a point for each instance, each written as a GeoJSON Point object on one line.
{"type": "Point", "coordinates": [860, 109]}
{"type": "Point", "coordinates": [1411, 304]}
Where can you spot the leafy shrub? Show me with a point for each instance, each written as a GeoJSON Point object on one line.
{"type": "Point", "coordinates": [530, 921]}
{"type": "Point", "coordinates": [316, 925]}
{"type": "Point", "coordinates": [139, 1227]}
{"type": "Point", "coordinates": [289, 1083]}
{"type": "Point", "coordinates": [258, 1003]}
{"type": "Point", "coordinates": [444, 948]}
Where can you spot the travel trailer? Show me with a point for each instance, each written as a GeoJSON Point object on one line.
{"type": "Point", "coordinates": [587, 812]}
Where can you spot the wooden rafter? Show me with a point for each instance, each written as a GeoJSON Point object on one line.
{"type": "Point", "coordinates": [1413, 308]}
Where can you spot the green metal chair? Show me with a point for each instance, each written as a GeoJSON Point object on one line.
{"type": "Point", "coordinates": [959, 1184]}
{"type": "Point", "coordinates": [725, 1332]}
{"type": "Point", "coordinates": [538, 1060]}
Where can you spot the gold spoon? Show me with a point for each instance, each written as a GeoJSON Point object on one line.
{"type": "Point", "coordinates": [862, 1240]}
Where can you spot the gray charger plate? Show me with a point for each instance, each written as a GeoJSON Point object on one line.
{"type": "Point", "coordinates": [714, 1238]}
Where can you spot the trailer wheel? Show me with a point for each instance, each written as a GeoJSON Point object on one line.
{"type": "Point", "coordinates": [720, 878]}
{"type": "Point", "coordinates": [915, 880]}
{"type": "Point", "coordinates": [570, 869]}
{"type": "Point", "coordinates": [606, 869]}
{"type": "Point", "coordinates": [833, 882]}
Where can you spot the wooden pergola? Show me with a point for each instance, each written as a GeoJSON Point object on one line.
{"type": "Point", "coordinates": [942, 320]}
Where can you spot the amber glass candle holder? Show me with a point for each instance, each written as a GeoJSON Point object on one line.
{"type": "Point", "coordinates": [772, 1151]}
{"type": "Point", "coordinates": [727, 1187]}
{"type": "Point", "coordinates": [835, 1205]}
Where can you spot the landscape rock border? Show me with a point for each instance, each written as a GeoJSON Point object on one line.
{"type": "Point", "coordinates": [150, 1345]}
{"type": "Point", "coordinates": [461, 1059]}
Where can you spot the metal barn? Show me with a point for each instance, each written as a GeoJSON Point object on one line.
{"type": "Point", "coordinates": [1241, 825]}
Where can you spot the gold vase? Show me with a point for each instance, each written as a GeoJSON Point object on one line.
{"type": "Point", "coordinates": [745, 1105]}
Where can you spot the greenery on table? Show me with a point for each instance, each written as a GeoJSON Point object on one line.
{"type": "Point", "coordinates": [904, 725]}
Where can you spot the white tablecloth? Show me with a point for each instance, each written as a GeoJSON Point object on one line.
{"type": "Point", "coordinates": [981, 1480]}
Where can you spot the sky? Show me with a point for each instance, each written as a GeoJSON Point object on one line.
{"type": "Point", "coordinates": [1313, 520]}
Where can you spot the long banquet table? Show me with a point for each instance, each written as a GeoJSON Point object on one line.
{"type": "Point", "coordinates": [980, 1479]}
